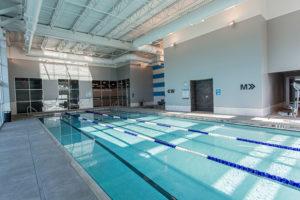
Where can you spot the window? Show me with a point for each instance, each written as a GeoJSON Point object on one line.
{"type": "Point", "coordinates": [29, 95]}
{"type": "Point", "coordinates": [108, 93]}
{"type": "Point", "coordinates": [68, 93]}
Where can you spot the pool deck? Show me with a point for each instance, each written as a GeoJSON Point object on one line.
{"type": "Point", "coordinates": [271, 121]}
{"type": "Point", "coordinates": [33, 167]}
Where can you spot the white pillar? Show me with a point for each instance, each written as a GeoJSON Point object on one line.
{"type": "Point", "coordinates": [4, 91]}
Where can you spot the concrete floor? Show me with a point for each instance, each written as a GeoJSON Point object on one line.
{"type": "Point", "coordinates": [32, 167]}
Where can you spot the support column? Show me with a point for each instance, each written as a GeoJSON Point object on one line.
{"type": "Point", "coordinates": [4, 80]}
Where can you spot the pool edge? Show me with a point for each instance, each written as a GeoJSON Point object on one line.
{"type": "Point", "coordinates": [96, 189]}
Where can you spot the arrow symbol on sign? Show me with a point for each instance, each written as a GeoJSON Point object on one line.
{"type": "Point", "coordinates": [251, 86]}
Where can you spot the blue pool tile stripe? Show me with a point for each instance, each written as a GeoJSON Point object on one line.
{"type": "Point", "coordinates": [259, 173]}
{"type": "Point", "coordinates": [126, 163]}
{"type": "Point", "coordinates": [210, 134]}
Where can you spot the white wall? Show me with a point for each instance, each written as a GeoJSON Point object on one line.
{"type": "Point", "coordinates": [231, 56]}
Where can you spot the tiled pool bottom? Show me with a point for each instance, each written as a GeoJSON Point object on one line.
{"type": "Point", "coordinates": [129, 167]}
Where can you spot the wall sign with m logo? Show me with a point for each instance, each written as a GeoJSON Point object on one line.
{"type": "Point", "coordinates": [247, 86]}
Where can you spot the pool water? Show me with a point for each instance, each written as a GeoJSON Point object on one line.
{"type": "Point", "coordinates": [128, 167]}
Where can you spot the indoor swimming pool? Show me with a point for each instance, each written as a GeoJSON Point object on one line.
{"type": "Point", "coordinates": [143, 156]}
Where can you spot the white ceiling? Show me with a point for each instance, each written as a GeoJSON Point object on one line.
{"type": "Point", "coordinates": [101, 28]}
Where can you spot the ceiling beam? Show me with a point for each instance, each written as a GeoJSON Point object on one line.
{"type": "Point", "coordinates": [84, 15]}
{"type": "Point", "coordinates": [115, 11]}
{"type": "Point", "coordinates": [56, 13]}
{"type": "Point", "coordinates": [8, 21]}
{"type": "Point", "coordinates": [31, 16]}
{"type": "Point", "coordinates": [14, 8]}
{"type": "Point", "coordinates": [193, 17]}
{"type": "Point", "coordinates": [69, 35]}
{"type": "Point", "coordinates": [44, 43]}
{"type": "Point", "coordinates": [169, 14]}
{"type": "Point", "coordinates": [143, 14]}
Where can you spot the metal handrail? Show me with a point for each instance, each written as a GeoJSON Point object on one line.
{"type": "Point", "coordinates": [27, 109]}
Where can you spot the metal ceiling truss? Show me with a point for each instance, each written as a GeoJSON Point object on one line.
{"type": "Point", "coordinates": [8, 21]}
{"type": "Point", "coordinates": [56, 13]}
{"type": "Point", "coordinates": [14, 8]}
{"type": "Point", "coordinates": [146, 12]}
{"type": "Point", "coordinates": [63, 34]}
{"type": "Point", "coordinates": [115, 11]}
{"type": "Point", "coordinates": [79, 48]}
{"type": "Point", "coordinates": [84, 15]}
{"type": "Point", "coordinates": [192, 17]}
{"type": "Point", "coordinates": [172, 13]}
{"type": "Point", "coordinates": [61, 46]}
{"type": "Point", "coordinates": [94, 9]}
{"type": "Point", "coordinates": [44, 43]}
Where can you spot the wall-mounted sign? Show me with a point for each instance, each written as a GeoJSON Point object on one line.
{"type": "Point", "coordinates": [171, 91]}
{"type": "Point", "coordinates": [247, 86]}
{"type": "Point", "coordinates": [218, 92]}
{"type": "Point", "coordinates": [185, 93]}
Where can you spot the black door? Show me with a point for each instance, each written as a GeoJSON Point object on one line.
{"type": "Point", "coordinates": [202, 95]}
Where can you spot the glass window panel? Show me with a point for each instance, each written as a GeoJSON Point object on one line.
{"type": "Point", "coordinates": [113, 84]}
{"type": "Point", "coordinates": [37, 106]}
{"type": "Point", "coordinates": [22, 95]}
{"type": "Point", "coordinates": [73, 104]}
{"type": "Point", "coordinates": [105, 84]}
{"type": "Point", "coordinates": [63, 104]}
{"type": "Point", "coordinates": [36, 95]}
{"type": "Point", "coordinates": [96, 85]}
{"type": "Point", "coordinates": [36, 83]}
{"type": "Point", "coordinates": [63, 84]}
{"type": "Point", "coordinates": [63, 94]}
{"type": "Point", "coordinates": [22, 107]}
{"type": "Point", "coordinates": [74, 94]}
{"type": "Point", "coordinates": [74, 84]}
{"type": "Point", "coordinates": [22, 83]}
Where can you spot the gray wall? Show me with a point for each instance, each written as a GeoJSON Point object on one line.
{"type": "Point", "coordinates": [50, 72]}
{"type": "Point", "coordinates": [273, 92]}
{"type": "Point", "coordinates": [140, 80]}
{"type": "Point", "coordinates": [284, 43]}
{"type": "Point", "coordinates": [231, 56]}
{"type": "Point", "coordinates": [140, 84]}
{"type": "Point", "coordinates": [123, 72]}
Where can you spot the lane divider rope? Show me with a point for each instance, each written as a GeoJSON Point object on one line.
{"type": "Point", "coordinates": [259, 173]}
{"type": "Point", "coordinates": [131, 167]}
{"type": "Point", "coordinates": [279, 146]}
